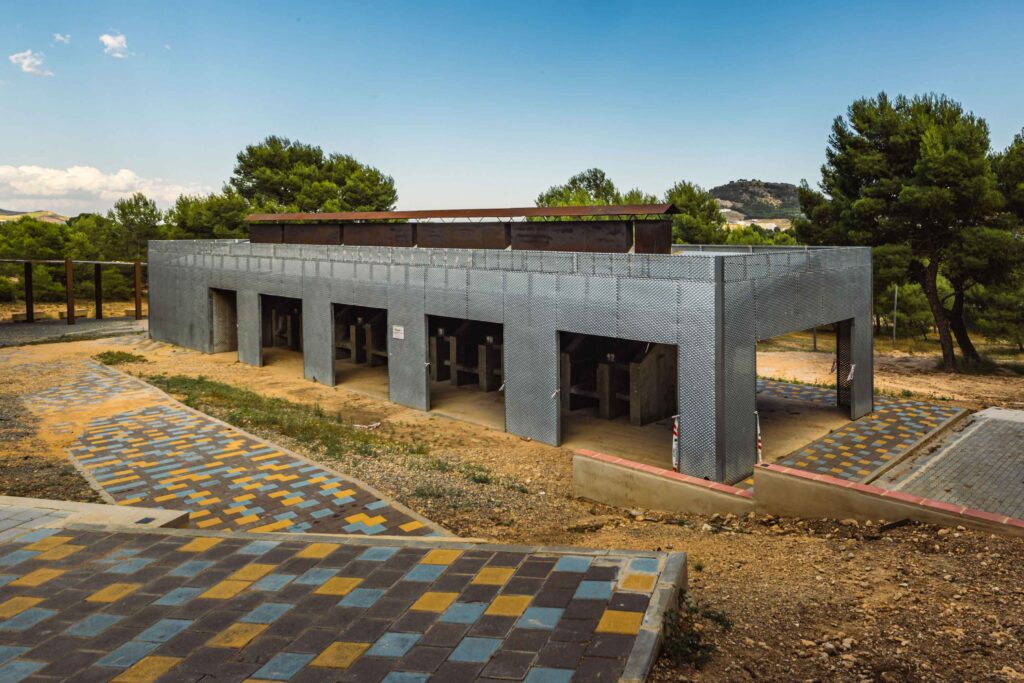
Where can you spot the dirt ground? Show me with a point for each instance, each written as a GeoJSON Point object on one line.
{"type": "Point", "coordinates": [769, 599]}
{"type": "Point", "coordinates": [897, 372]}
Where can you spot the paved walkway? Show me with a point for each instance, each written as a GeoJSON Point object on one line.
{"type": "Point", "coordinates": [137, 606]}
{"type": "Point", "coordinates": [982, 468]}
{"type": "Point", "coordinates": [152, 451]}
{"type": "Point", "coordinates": [857, 450]}
{"type": "Point", "coordinates": [15, 334]}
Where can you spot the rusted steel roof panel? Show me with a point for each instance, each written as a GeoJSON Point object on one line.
{"type": "Point", "coordinates": [515, 212]}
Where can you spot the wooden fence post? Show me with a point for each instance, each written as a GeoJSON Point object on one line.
{"type": "Point", "coordinates": [69, 284]}
{"type": "Point", "coordinates": [30, 307]}
{"type": "Point", "coordinates": [98, 284]}
{"type": "Point", "coordinates": [138, 290]}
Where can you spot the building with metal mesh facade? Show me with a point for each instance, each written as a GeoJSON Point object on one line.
{"type": "Point", "coordinates": [713, 303]}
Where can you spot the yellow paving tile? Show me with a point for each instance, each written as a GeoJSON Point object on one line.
{"type": "Point", "coordinates": [509, 605]}
{"type": "Point", "coordinates": [441, 556]}
{"type": "Point", "coordinates": [161, 499]}
{"type": "Point", "coordinates": [340, 655]}
{"type": "Point", "coordinates": [17, 605]}
{"type": "Point", "coordinates": [199, 514]}
{"type": "Point", "coordinates": [639, 582]}
{"type": "Point", "coordinates": [253, 572]}
{"type": "Point", "coordinates": [291, 501]}
{"type": "Point", "coordinates": [228, 588]}
{"type": "Point", "coordinates": [48, 543]}
{"type": "Point", "coordinates": [242, 499]}
{"type": "Point", "coordinates": [60, 552]}
{"type": "Point", "coordinates": [433, 601]}
{"type": "Point", "coordinates": [339, 585]}
{"type": "Point", "coordinates": [147, 669]}
{"type": "Point", "coordinates": [411, 526]}
{"type": "Point", "coordinates": [113, 592]}
{"type": "Point", "coordinates": [317, 550]}
{"type": "Point", "coordinates": [617, 621]}
{"type": "Point", "coordinates": [213, 521]}
{"type": "Point", "coordinates": [198, 545]}
{"type": "Point", "coordinates": [494, 576]}
{"type": "Point", "coordinates": [237, 635]}
{"type": "Point", "coordinates": [37, 577]}
{"type": "Point", "coordinates": [248, 519]}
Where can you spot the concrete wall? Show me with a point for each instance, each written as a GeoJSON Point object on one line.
{"type": "Point", "coordinates": [630, 485]}
{"type": "Point", "coordinates": [792, 493]}
{"type": "Point", "coordinates": [709, 304]}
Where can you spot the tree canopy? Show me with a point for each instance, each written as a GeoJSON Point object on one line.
{"type": "Point", "coordinates": [913, 171]}
{"type": "Point", "coordinates": [278, 175]}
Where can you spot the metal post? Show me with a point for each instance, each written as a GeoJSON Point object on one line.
{"type": "Point", "coordinates": [69, 284]}
{"type": "Point", "coordinates": [98, 284]}
{"type": "Point", "coordinates": [814, 337]}
{"type": "Point", "coordinates": [138, 290]}
{"type": "Point", "coordinates": [895, 301]}
{"type": "Point", "coordinates": [30, 313]}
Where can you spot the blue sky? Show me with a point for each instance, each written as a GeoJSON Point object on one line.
{"type": "Point", "coordinates": [471, 103]}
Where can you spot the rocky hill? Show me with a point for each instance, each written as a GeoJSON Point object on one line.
{"type": "Point", "coordinates": [758, 199]}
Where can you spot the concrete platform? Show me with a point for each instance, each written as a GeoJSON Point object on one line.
{"type": "Point", "coordinates": [16, 334]}
{"type": "Point", "coordinates": [981, 467]}
{"type": "Point", "coordinates": [22, 515]}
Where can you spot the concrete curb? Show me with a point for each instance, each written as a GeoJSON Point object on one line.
{"type": "Point", "coordinates": [652, 631]}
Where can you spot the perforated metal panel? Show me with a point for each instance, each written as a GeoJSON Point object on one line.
{"type": "Point", "coordinates": [760, 293]}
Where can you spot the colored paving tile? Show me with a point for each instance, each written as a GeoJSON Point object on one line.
{"type": "Point", "coordinates": [164, 455]}
{"type": "Point", "coordinates": [856, 450]}
{"type": "Point", "coordinates": [364, 612]}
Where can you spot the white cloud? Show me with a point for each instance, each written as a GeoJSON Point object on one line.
{"type": "Point", "coordinates": [30, 62]}
{"type": "Point", "coordinates": [82, 188]}
{"type": "Point", "coordinates": [115, 45]}
{"type": "Point", "coordinates": [65, 38]}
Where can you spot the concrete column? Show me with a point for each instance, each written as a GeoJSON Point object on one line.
{"type": "Point", "coordinates": [737, 423]}
{"type": "Point", "coordinates": [250, 328]}
{"type": "Point", "coordinates": [318, 338]}
{"type": "Point", "coordinates": [862, 389]}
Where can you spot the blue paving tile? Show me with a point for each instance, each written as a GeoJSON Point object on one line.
{"type": "Point", "coordinates": [18, 670]}
{"type": "Point", "coordinates": [37, 535]}
{"type": "Point", "coordinates": [476, 650]}
{"type": "Point", "coordinates": [542, 618]}
{"type": "Point", "coordinates": [393, 644]}
{"type": "Point", "coordinates": [362, 597]}
{"type": "Point", "coordinates": [540, 674]}
{"type": "Point", "coordinates": [17, 557]}
{"type": "Point", "coordinates": [93, 625]}
{"type": "Point", "coordinates": [378, 554]}
{"type": "Point", "coordinates": [27, 619]}
{"type": "Point", "coordinates": [191, 568]}
{"type": "Point", "coordinates": [316, 576]}
{"type": "Point", "coordinates": [179, 596]}
{"type": "Point", "coordinates": [593, 590]}
{"type": "Point", "coordinates": [405, 677]}
{"type": "Point", "coordinates": [129, 566]}
{"type": "Point", "coordinates": [127, 654]}
{"type": "Point", "coordinates": [164, 630]}
{"type": "Point", "coordinates": [266, 613]}
{"type": "Point", "coordinates": [8, 652]}
{"type": "Point", "coordinates": [257, 547]}
{"type": "Point", "coordinates": [272, 582]}
{"type": "Point", "coordinates": [648, 565]}
{"type": "Point", "coordinates": [572, 563]}
{"type": "Point", "coordinates": [424, 572]}
{"type": "Point", "coordinates": [463, 612]}
{"type": "Point", "coordinates": [283, 666]}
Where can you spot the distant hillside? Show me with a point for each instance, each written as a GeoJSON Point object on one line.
{"type": "Point", "coordinates": [46, 216]}
{"type": "Point", "coordinates": [758, 199]}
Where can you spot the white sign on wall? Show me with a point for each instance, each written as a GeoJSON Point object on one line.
{"type": "Point", "coordinates": [397, 332]}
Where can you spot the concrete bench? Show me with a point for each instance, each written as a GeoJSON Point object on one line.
{"type": "Point", "coordinates": [79, 313]}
